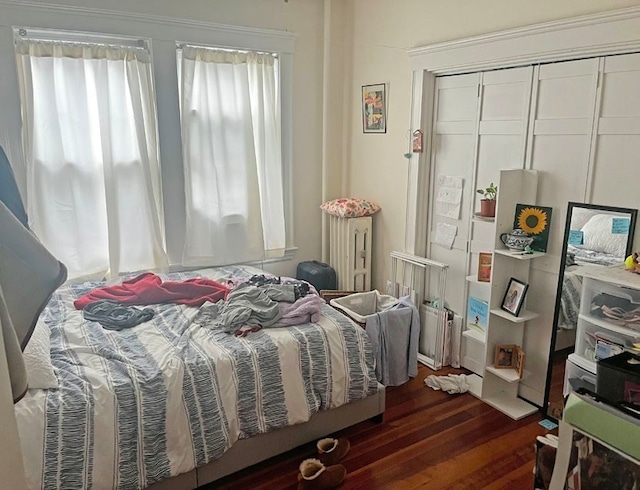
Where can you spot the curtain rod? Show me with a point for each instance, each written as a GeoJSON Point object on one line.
{"type": "Point", "coordinates": [53, 35]}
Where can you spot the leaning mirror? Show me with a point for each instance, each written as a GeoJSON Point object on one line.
{"type": "Point", "coordinates": [594, 236]}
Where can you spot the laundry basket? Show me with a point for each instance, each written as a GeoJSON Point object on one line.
{"type": "Point", "coordinates": [359, 306]}
{"type": "Point", "coordinates": [393, 326]}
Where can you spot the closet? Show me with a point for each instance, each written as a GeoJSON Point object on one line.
{"type": "Point", "coordinates": [577, 123]}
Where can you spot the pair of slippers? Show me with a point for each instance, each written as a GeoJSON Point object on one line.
{"type": "Point", "coordinates": [324, 472]}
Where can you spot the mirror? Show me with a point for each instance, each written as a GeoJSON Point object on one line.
{"type": "Point", "coordinates": [593, 235]}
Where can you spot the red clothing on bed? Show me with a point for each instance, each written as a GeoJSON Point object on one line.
{"type": "Point", "coordinates": [147, 289]}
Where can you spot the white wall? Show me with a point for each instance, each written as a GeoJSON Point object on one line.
{"type": "Point", "coordinates": [383, 30]}
{"type": "Point", "coordinates": [377, 57]}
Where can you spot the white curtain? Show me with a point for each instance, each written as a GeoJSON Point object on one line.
{"type": "Point", "coordinates": [93, 176]}
{"type": "Point", "coordinates": [232, 156]}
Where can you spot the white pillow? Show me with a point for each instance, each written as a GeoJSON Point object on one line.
{"type": "Point", "coordinates": [37, 359]}
{"type": "Point", "coordinates": [597, 236]}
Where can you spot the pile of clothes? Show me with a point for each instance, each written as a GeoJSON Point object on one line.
{"type": "Point", "coordinates": [262, 302]}
{"type": "Point", "coordinates": [237, 308]}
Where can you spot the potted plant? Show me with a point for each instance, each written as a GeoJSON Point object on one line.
{"type": "Point", "coordinates": [488, 204]}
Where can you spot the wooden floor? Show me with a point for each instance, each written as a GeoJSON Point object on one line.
{"type": "Point", "coordinates": [428, 439]}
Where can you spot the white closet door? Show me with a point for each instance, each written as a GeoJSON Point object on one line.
{"type": "Point", "coordinates": [453, 154]}
{"type": "Point", "coordinates": [502, 137]}
{"type": "Point", "coordinates": [616, 170]}
{"type": "Point", "coordinates": [503, 123]}
{"type": "Point", "coordinates": [564, 97]}
{"type": "Point", "coordinates": [563, 102]}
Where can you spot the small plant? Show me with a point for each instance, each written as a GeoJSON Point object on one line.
{"type": "Point", "coordinates": [489, 193]}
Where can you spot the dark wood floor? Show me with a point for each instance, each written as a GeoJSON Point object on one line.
{"type": "Point", "coordinates": [428, 439]}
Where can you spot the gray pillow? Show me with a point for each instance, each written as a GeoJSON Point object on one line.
{"type": "Point", "coordinates": [29, 275]}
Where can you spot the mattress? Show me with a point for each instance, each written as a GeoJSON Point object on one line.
{"type": "Point", "coordinates": [140, 405]}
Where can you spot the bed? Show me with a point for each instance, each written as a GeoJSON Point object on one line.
{"type": "Point", "coordinates": [172, 403]}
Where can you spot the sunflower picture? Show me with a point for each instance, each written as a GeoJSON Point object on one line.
{"type": "Point", "coordinates": [535, 221]}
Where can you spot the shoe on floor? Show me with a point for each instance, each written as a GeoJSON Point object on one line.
{"type": "Point", "coordinates": [330, 451]}
{"type": "Point", "coordinates": [316, 476]}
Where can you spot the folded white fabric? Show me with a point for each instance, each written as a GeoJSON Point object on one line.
{"type": "Point", "coordinates": [37, 359]}
{"type": "Point", "coordinates": [452, 383]}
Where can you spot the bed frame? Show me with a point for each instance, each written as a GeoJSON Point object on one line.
{"type": "Point", "coordinates": [247, 452]}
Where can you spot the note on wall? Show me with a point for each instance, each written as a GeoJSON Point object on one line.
{"type": "Point", "coordinates": [445, 235]}
{"type": "Point", "coordinates": [576, 237]}
{"type": "Point", "coordinates": [449, 196]}
{"type": "Point", "coordinates": [620, 226]}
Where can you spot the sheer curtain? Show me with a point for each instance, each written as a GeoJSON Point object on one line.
{"type": "Point", "coordinates": [93, 176]}
{"type": "Point", "coordinates": [232, 156]}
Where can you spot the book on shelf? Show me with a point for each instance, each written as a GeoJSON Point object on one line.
{"type": "Point", "coordinates": [477, 314]}
{"type": "Point", "coordinates": [484, 266]}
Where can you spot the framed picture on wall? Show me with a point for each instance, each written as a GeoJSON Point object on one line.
{"type": "Point", "coordinates": [374, 108]}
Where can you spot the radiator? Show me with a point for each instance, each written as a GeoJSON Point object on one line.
{"type": "Point", "coordinates": [350, 252]}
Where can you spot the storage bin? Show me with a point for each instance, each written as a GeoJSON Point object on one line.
{"type": "Point", "coordinates": [618, 378]}
{"type": "Point", "coordinates": [318, 274]}
{"type": "Point", "coordinates": [577, 377]}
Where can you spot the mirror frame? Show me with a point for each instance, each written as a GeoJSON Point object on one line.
{"type": "Point", "coordinates": [556, 312]}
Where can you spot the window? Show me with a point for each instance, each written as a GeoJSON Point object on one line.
{"type": "Point", "coordinates": [90, 138]}
{"type": "Point", "coordinates": [232, 154]}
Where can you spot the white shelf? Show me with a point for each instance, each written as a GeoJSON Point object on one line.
{"type": "Point", "coordinates": [524, 316]}
{"type": "Point", "coordinates": [514, 407]}
{"type": "Point", "coordinates": [616, 275]}
{"type": "Point", "coordinates": [475, 385]}
{"type": "Point", "coordinates": [509, 375]}
{"type": "Point", "coordinates": [483, 219]}
{"type": "Point", "coordinates": [475, 335]}
{"type": "Point", "coordinates": [518, 255]}
{"type": "Point", "coordinates": [474, 279]}
{"type": "Point", "coordinates": [612, 327]}
{"type": "Point", "coordinates": [585, 364]}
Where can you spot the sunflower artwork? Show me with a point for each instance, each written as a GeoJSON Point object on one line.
{"type": "Point", "coordinates": [535, 221]}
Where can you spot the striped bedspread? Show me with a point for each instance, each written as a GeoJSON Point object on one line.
{"type": "Point", "coordinates": [140, 405]}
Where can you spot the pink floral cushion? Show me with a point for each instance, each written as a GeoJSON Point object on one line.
{"type": "Point", "coordinates": [350, 207]}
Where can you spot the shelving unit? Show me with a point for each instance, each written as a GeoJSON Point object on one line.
{"type": "Point", "coordinates": [617, 282]}
{"type": "Point", "coordinates": [499, 387]}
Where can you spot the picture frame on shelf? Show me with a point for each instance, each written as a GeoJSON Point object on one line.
{"type": "Point", "coordinates": [519, 366]}
{"type": "Point", "coordinates": [374, 108]}
{"type": "Point", "coordinates": [509, 356]}
{"type": "Point", "coordinates": [484, 266]}
{"type": "Point", "coordinates": [514, 296]}
{"type": "Point", "coordinates": [505, 356]}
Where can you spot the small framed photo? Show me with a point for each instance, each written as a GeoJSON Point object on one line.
{"type": "Point", "coordinates": [505, 356]}
{"type": "Point", "coordinates": [374, 108]}
{"type": "Point", "coordinates": [514, 296]}
{"type": "Point", "coordinates": [509, 356]}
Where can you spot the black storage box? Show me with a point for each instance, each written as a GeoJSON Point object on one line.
{"type": "Point", "coordinates": [618, 378]}
{"type": "Point", "coordinates": [319, 274]}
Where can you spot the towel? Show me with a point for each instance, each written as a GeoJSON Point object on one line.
{"type": "Point", "coordinates": [453, 383]}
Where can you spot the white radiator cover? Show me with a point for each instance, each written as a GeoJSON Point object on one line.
{"type": "Point", "coordinates": [350, 252]}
